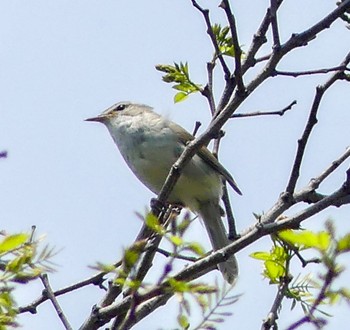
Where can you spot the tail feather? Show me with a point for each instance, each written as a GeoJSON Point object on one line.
{"type": "Point", "coordinates": [210, 213]}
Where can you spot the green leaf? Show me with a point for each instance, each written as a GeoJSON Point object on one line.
{"type": "Point", "coordinates": [15, 265]}
{"type": "Point", "coordinates": [12, 242]}
{"type": "Point", "coordinates": [181, 96]}
{"type": "Point", "coordinates": [343, 244]}
{"type": "Point", "coordinates": [153, 223]}
{"type": "Point", "coordinates": [261, 255]}
{"type": "Point", "coordinates": [131, 256]}
{"type": "Point", "coordinates": [224, 40]}
{"type": "Point", "coordinates": [183, 225]}
{"type": "Point", "coordinates": [179, 75]}
{"type": "Point", "coordinates": [202, 288]}
{"type": "Point", "coordinates": [307, 239]}
{"type": "Point", "coordinates": [274, 271]}
{"type": "Point", "coordinates": [176, 240]}
{"type": "Point", "coordinates": [183, 321]}
{"type": "Point", "coordinates": [196, 248]}
{"type": "Point", "coordinates": [178, 286]}
{"type": "Point", "coordinates": [104, 267]}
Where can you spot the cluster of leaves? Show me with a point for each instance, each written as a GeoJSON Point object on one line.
{"type": "Point", "coordinates": [208, 298]}
{"type": "Point", "coordinates": [224, 40]}
{"type": "Point", "coordinates": [291, 243]}
{"type": "Point", "coordinates": [179, 75]}
{"type": "Point", "coordinates": [19, 263]}
{"type": "Point", "coordinates": [212, 301]}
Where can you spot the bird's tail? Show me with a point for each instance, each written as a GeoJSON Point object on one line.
{"type": "Point", "coordinates": [210, 213]}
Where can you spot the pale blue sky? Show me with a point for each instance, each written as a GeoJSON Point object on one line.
{"type": "Point", "coordinates": [64, 61]}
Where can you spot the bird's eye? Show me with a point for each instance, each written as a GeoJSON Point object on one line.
{"type": "Point", "coordinates": [120, 107]}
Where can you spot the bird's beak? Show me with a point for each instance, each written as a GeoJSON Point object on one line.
{"type": "Point", "coordinates": [100, 119]}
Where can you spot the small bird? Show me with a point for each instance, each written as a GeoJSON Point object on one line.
{"type": "Point", "coordinates": [150, 145]}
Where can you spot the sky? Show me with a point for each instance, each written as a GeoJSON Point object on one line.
{"type": "Point", "coordinates": [64, 61]}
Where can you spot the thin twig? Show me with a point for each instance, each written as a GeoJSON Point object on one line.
{"type": "Point", "coordinates": [50, 294]}
{"type": "Point", "coordinates": [225, 5]}
{"type": "Point", "coordinates": [178, 256]}
{"type": "Point", "coordinates": [312, 121]}
{"type": "Point", "coordinates": [145, 264]}
{"type": "Point", "coordinates": [96, 279]}
{"type": "Point", "coordinates": [274, 25]}
{"type": "Point", "coordinates": [208, 91]}
{"type": "Point", "coordinates": [258, 40]}
{"type": "Point", "coordinates": [329, 278]}
{"type": "Point", "coordinates": [196, 127]}
{"type": "Point", "coordinates": [270, 321]}
{"type": "Point", "coordinates": [265, 113]}
{"type": "Point", "coordinates": [311, 72]}
{"type": "Point", "coordinates": [205, 13]}
{"type": "Point", "coordinates": [315, 183]}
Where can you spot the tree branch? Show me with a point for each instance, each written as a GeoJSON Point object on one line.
{"type": "Point", "coordinates": [270, 321]}
{"type": "Point", "coordinates": [205, 13]}
{"type": "Point", "coordinates": [258, 40]}
{"type": "Point", "coordinates": [273, 13]}
{"type": "Point", "coordinates": [265, 113]}
{"type": "Point", "coordinates": [312, 121]}
{"type": "Point", "coordinates": [310, 72]}
{"type": "Point", "coordinates": [225, 5]}
{"type": "Point", "coordinates": [50, 294]}
{"type": "Point", "coordinates": [267, 226]}
{"type": "Point", "coordinates": [97, 279]}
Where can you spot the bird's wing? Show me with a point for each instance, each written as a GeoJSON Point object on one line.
{"type": "Point", "coordinates": [206, 155]}
{"type": "Point", "coordinates": [209, 158]}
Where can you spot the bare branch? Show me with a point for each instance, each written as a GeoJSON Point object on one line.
{"type": "Point", "coordinates": [180, 257]}
{"type": "Point", "coordinates": [310, 72]}
{"type": "Point", "coordinates": [208, 90]}
{"type": "Point", "coordinates": [315, 182]}
{"type": "Point", "coordinates": [270, 321]}
{"type": "Point", "coordinates": [302, 39]}
{"type": "Point", "coordinates": [205, 13]}
{"type": "Point", "coordinates": [50, 294]}
{"type": "Point", "coordinates": [237, 48]}
{"type": "Point", "coordinates": [258, 40]}
{"type": "Point", "coordinates": [97, 279]}
{"type": "Point", "coordinates": [265, 113]}
{"type": "Point", "coordinates": [196, 127]}
{"type": "Point", "coordinates": [312, 121]}
{"type": "Point", "coordinates": [273, 12]}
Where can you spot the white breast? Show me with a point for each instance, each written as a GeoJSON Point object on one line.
{"type": "Point", "coordinates": [150, 151]}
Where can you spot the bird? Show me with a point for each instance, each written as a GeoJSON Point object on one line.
{"type": "Point", "coordinates": [150, 144]}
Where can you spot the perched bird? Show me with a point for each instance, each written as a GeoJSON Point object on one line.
{"type": "Point", "coordinates": [150, 145]}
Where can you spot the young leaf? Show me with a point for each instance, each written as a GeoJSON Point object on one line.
{"type": "Point", "coordinates": [181, 96]}
{"type": "Point", "coordinates": [261, 255]}
{"type": "Point", "coordinates": [12, 242]}
{"type": "Point", "coordinates": [343, 244]}
{"type": "Point", "coordinates": [152, 222]}
{"type": "Point", "coordinates": [179, 75]}
{"type": "Point", "coordinates": [183, 321]}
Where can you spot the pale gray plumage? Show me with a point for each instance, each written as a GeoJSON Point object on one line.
{"type": "Point", "coordinates": [150, 145]}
